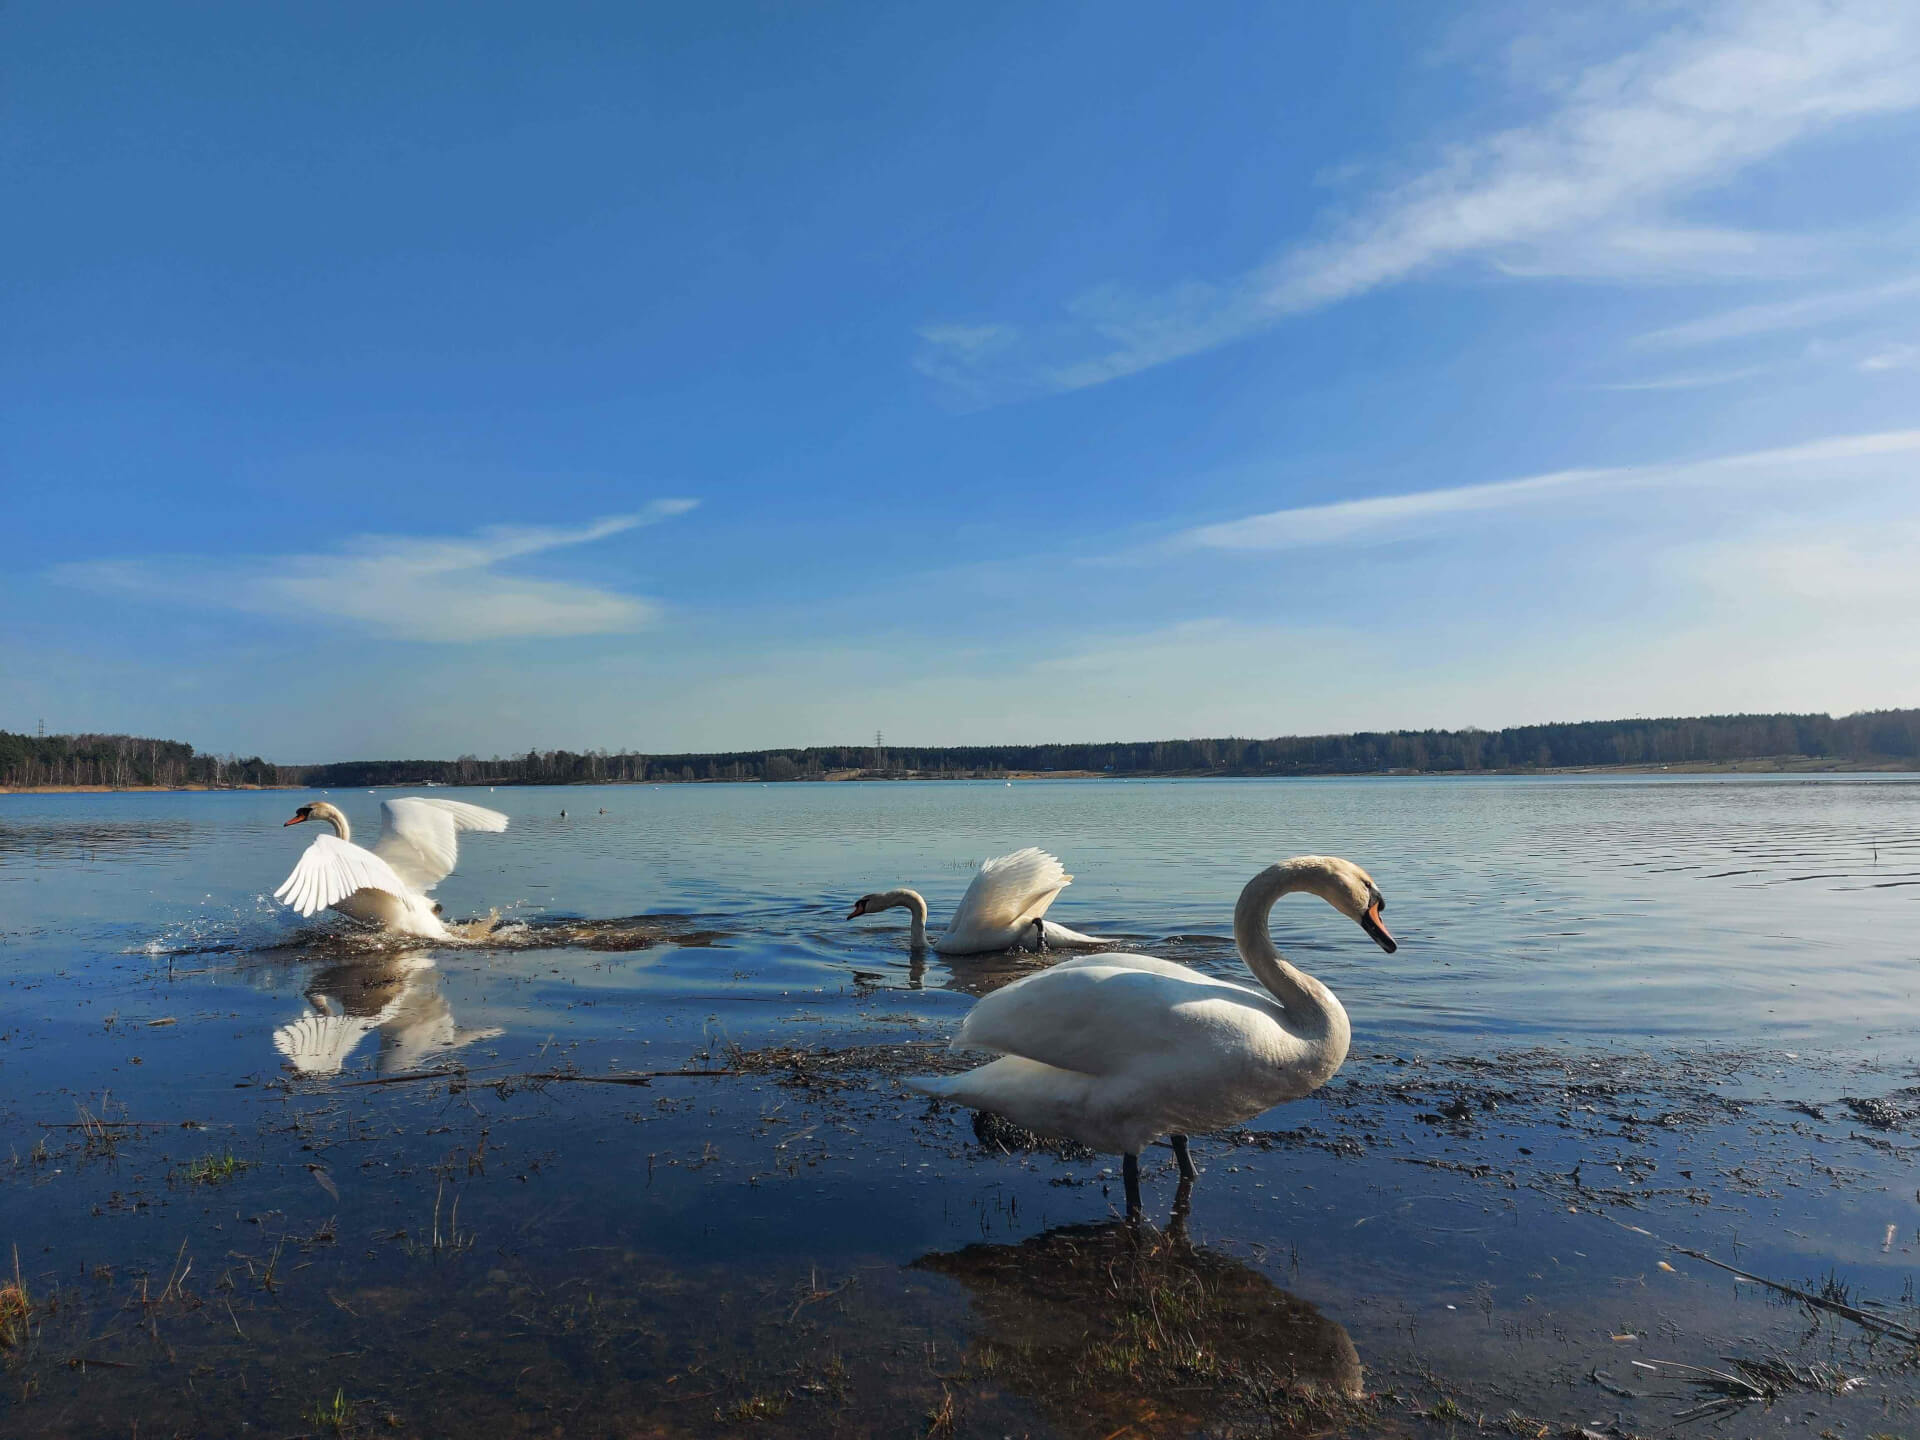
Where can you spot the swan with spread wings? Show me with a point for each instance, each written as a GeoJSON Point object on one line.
{"type": "Point", "coordinates": [1001, 910]}
{"type": "Point", "coordinates": [386, 886]}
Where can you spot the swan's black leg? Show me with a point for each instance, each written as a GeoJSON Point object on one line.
{"type": "Point", "coordinates": [1130, 1171]}
{"type": "Point", "coordinates": [1039, 934]}
{"type": "Point", "coordinates": [1187, 1172]}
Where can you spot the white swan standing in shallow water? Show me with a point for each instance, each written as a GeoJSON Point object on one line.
{"type": "Point", "coordinates": [387, 885]}
{"type": "Point", "coordinates": [1002, 908]}
{"type": "Point", "coordinates": [1115, 1051]}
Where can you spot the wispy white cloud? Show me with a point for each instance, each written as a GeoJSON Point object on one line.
{"type": "Point", "coordinates": [1801, 313]}
{"type": "Point", "coordinates": [1846, 572]}
{"type": "Point", "coordinates": [1589, 188]}
{"type": "Point", "coordinates": [1899, 356]}
{"type": "Point", "coordinates": [449, 590]}
{"type": "Point", "coordinates": [1688, 380]}
{"type": "Point", "coordinates": [1398, 516]}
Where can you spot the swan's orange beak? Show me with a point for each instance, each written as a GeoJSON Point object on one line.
{"type": "Point", "coordinates": [1377, 928]}
{"type": "Point", "coordinates": [859, 909]}
{"type": "Point", "coordinates": [297, 820]}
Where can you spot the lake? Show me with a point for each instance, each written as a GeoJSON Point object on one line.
{"type": "Point", "coordinates": [263, 1177]}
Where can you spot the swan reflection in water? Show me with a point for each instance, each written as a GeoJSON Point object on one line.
{"type": "Point", "coordinates": [396, 994]}
{"type": "Point", "coordinates": [1123, 1327]}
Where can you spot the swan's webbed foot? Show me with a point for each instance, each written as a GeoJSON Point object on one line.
{"type": "Point", "coordinates": [1130, 1173]}
{"type": "Point", "coordinates": [1180, 1155]}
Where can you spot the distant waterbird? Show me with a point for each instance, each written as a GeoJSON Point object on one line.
{"type": "Point", "coordinates": [1114, 1051]}
{"type": "Point", "coordinates": [1001, 910]}
{"type": "Point", "coordinates": [387, 885]}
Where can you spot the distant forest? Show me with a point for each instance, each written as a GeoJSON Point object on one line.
{"type": "Point", "coordinates": [1887, 737]}
{"type": "Point", "coordinates": [122, 760]}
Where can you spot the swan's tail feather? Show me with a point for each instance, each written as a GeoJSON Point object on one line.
{"type": "Point", "coordinates": [1061, 935]}
{"type": "Point", "coordinates": [939, 1086]}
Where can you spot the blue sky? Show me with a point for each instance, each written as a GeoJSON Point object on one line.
{"type": "Point", "coordinates": [383, 380]}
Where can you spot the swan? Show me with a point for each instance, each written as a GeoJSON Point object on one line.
{"type": "Point", "coordinates": [1001, 909]}
{"type": "Point", "coordinates": [1115, 1051]}
{"type": "Point", "coordinates": [387, 885]}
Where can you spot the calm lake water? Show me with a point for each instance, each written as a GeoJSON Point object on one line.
{"type": "Point", "coordinates": [815, 1255]}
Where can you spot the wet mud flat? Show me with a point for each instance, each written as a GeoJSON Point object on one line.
{"type": "Point", "coordinates": [767, 1235]}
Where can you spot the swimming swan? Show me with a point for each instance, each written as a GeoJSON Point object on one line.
{"type": "Point", "coordinates": [387, 885]}
{"type": "Point", "coordinates": [1001, 909]}
{"type": "Point", "coordinates": [1115, 1051]}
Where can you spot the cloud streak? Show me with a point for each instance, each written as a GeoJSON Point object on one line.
{"type": "Point", "coordinates": [437, 590]}
{"type": "Point", "coordinates": [1391, 517]}
{"type": "Point", "coordinates": [1802, 313]}
{"type": "Point", "coordinates": [1690, 380]}
{"type": "Point", "coordinates": [1588, 189]}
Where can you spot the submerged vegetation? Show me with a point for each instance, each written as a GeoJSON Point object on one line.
{"type": "Point", "coordinates": [212, 1169]}
{"type": "Point", "coordinates": [16, 1309]}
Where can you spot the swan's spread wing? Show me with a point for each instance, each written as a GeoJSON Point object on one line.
{"type": "Point", "coordinates": [1105, 1013]}
{"type": "Point", "coordinates": [332, 869]}
{"type": "Point", "coordinates": [1009, 892]}
{"type": "Point", "coordinates": [417, 836]}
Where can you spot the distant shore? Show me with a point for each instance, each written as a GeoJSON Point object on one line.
{"type": "Point", "coordinates": [1774, 765]}
{"type": "Point", "coordinates": [129, 789]}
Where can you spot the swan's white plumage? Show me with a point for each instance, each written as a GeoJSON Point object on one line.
{"type": "Point", "coordinates": [417, 836]}
{"type": "Point", "coordinates": [1007, 895]}
{"type": "Point", "coordinates": [330, 870]}
{"type": "Point", "coordinates": [1101, 1013]}
{"type": "Point", "coordinates": [1116, 1050]}
{"type": "Point", "coordinates": [387, 885]}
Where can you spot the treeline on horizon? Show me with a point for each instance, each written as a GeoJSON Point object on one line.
{"type": "Point", "coordinates": [1891, 736]}
{"type": "Point", "coordinates": [1880, 735]}
{"type": "Point", "coordinates": [121, 761]}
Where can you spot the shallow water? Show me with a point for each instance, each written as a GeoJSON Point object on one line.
{"type": "Point", "coordinates": [1634, 978]}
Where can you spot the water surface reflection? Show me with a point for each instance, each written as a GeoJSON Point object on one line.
{"type": "Point", "coordinates": [395, 995]}
{"type": "Point", "coordinates": [1122, 1327]}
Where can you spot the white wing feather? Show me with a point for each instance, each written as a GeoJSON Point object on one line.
{"type": "Point", "coordinates": [1103, 1013]}
{"type": "Point", "coordinates": [1010, 891]}
{"type": "Point", "coordinates": [417, 836]}
{"type": "Point", "coordinates": [332, 869]}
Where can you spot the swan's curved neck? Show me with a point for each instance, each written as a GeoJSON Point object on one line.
{"type": "Point", "coordinates": [1312, 1011]}
{"type": "Point", "coordinates": [334, 818]}
{"type": "Point", "coordinates": [915, 905]}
